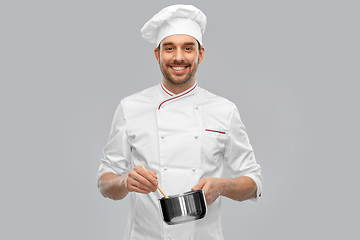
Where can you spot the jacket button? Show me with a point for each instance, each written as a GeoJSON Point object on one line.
{"type": "Point", "coordinates": [165, 168]}
{"type": "Point", "coordinates": [193, 169]}
{"type": "Point", "coordinates": [196, 137]}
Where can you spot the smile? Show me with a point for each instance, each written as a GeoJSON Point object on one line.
{"type": "Point", "coordinates": [178, 68]}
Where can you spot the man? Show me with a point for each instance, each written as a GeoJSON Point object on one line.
{"type": "Point", "coordinates": [181, 133]}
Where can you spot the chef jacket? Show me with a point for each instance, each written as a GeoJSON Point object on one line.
{"type": "Point", "coordinates": [182, 137]}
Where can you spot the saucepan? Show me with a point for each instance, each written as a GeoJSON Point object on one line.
{"type": "Point", "coordinates": [182, 208]}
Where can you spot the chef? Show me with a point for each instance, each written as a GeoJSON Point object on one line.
{"type": "Point", "coordinates": [183, 134]}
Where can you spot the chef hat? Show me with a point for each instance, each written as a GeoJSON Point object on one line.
{"type": "Point", "coordinates": [175, 19]}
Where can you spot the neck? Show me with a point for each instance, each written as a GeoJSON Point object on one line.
{"type": "Point", "coordinates": [178, 88]}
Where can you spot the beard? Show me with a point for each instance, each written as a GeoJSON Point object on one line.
{"type": "Point", "coordinates": [176, 79]}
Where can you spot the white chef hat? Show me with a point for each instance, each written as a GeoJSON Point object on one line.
{"type": "Point", "coordinates": [175, 19]}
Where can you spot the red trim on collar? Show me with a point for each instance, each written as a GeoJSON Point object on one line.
{"type": "Point", "coordinates": [162, 86]}
{"type": "Point", "coordinates": [177, 96]}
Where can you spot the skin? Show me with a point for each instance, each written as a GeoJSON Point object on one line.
{"type": "Point", "coordinates": [179, 51]}
{"type": "Point", "coordinates": [179, 57]}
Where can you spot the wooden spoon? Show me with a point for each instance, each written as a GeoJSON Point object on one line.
{"type": "Point", "coordinates": [162, 192]}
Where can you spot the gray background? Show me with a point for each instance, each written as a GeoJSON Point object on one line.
{"type": "Point", "coordinates": [292, 68]}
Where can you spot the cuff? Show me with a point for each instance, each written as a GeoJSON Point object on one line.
{"type": "Point", "coordinates": [258, 180]}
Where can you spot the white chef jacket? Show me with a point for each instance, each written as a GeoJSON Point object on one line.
{"type": "Point", "coordinates": [183, 138]}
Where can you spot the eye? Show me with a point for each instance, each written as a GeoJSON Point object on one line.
{"type": "Point", "coordinates": [168, 48]}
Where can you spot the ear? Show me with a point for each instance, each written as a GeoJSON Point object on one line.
{"type": "Point", "coordinates": [201, 54]}
{"type": "Point", "coordinates": [157, 55]}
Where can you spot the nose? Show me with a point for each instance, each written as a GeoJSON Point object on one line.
{"type": "Point", "coordinates": [178, 55]}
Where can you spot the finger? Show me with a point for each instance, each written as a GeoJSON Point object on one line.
{"type": "Point", "coordinates": [139, 181]}
{"type": "Point", "coordinates": [135, 186]}
{"type": "Point", "coordinates": [152, 173]}
{"type": "Point", "coordinates": [138, 190]}
{"type": "Point", "coordinates": [207, 194]}
{"type": "Point", "coordinates": [148, 175]}
{"type": "Point", "coordinates": [144, 178]}
{"type": "Point", "coordinates": [211, 193]}
{"type": "Point", "coordinates": [209, 198]}
{"type": "Point", "coordinates": [200, 185]}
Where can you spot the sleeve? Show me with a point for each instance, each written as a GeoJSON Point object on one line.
{"type": "Point", "coordinates": [117, 151]}
{"type": "Point", "coordinates": [239, 155]}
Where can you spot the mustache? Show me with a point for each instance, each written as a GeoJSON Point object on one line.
{"type": "Point", "coordinates": [182, 62]}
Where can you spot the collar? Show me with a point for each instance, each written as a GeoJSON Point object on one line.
{"type": "Point", "coordinates": [169, 96]}
{"type": "Point", "coordinates": [168, 93]}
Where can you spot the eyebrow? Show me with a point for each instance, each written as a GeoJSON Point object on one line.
{"type": "Point", "coordinates": [190, 43]}
{"type": "Point", "coordinates": [171, 43]}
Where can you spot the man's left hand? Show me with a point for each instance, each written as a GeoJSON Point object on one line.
{"type": "Point", "coordinates": [213, 187]}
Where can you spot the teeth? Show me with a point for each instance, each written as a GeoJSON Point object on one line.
{"type": "Point", "coordinates": [178, 68]}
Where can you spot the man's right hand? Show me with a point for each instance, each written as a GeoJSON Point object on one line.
{"type": "Point", "coordinates": [141, 181]}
